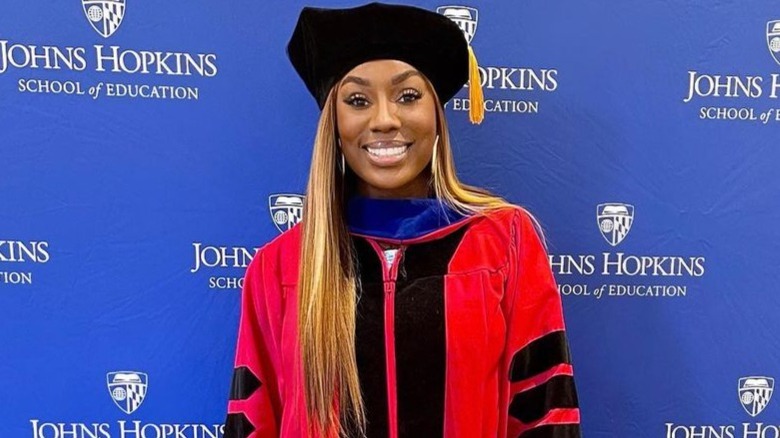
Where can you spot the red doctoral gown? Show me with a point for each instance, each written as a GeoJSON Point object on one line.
{"type": "Point", "coordinates": [460, 332]}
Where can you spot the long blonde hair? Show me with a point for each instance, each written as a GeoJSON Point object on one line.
{"type": "Point", "coordinates": [327, 279]}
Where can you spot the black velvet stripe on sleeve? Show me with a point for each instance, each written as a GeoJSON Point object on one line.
{"type": "Point", "coordinates": [238, 426]}
{"type": "Point", "coordinates": [244, 384]}
{"type": "Point", "coordinates": [540, 355]}
{"type": "Point", "coordinates": [533, 404]}
{"type": "Point", "coordinates": [554, 431]}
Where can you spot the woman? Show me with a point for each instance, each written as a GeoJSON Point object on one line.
{"type": "Point", "coordinates": [406, 303]}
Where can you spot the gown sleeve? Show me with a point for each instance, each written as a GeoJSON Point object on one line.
{"type": "Point", "coordinates": [542, 398]}
{"type": "Point", "coordinates": [254, 406]}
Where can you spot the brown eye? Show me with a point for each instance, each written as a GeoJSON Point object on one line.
{"type": "Point", "coordinates": [356, 100]}
{"type": "Point", "coordinates": [410, 95]}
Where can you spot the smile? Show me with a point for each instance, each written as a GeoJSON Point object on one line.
{"type": "Point", "coordinates": [387, 153]}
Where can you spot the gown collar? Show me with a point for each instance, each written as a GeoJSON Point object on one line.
{"type": "Point", "coordinates": [405, 218]}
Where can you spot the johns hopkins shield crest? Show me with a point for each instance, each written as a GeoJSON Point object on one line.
{"type": "Point", "coordinates": [773, 39]}
{"type": "Point", "coordinates": [465, 17]}
{"type": "Point", "coordinates": [127, 389]}
{"type": "Point", "coordinates": [614, 221]}
{"type": "Point", "coordinates": [755, 392]}
{"type": "Point", "coordinates": [286, 210]}
{"type": "Point", "coordinates": [105, 16]}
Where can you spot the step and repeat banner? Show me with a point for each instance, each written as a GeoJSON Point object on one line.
{"type": "Point", "coordinates": [149, 148]}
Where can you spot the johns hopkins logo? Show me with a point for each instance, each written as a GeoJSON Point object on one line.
{"type": "Point", "coordinates": [127, 389]}
{"type": "Point", "coordinates": [755, 392]}
{"type": "Point", "coordinates": [286, 210]}
{"type": "Point", "coordinates": [773, 39]}
{"type": "Point", "coordinates": [614, 220]}
{"type": "Point", "coordinates": [465, 17]}
{"type": "Point", "coordinates": [105, 16]}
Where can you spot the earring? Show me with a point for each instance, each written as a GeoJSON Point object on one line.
{"type": "Point", "coordinates": [434, 157]}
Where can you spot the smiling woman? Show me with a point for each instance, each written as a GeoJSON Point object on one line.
{"type": "Point", "coordinates": [406, 303]}
{"type": "Point", "coordinates": [386, 119]}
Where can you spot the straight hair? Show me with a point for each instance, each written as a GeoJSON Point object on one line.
{"type": "Point", "coordinates": [327, 287]}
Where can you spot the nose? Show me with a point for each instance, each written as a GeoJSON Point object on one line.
{"type": "Point", "coordinates": [385, 117]}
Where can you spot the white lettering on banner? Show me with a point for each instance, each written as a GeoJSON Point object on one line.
{"type": "Point", "coordinates": [657, 266]}
{"type": "Point", "coordinates": [619, 290]}
{"type": "Point", "coordinates": [760, 430]}
{"type": "Point", "coordinates": [775, 85]}
{"type": "Point", "coordinates": [17, 251]}
{"type": "Point", "coordinates": [128, 390]}
{"type": "Point", "coordinates": [152, 92]}
{"type": "Point", "coordinates": [111, 60]}
{"type": "Point", "coordinates": [150, 430]}
{"type": "Point", "coordinates": [226, 282]}
{"type": "Point", "coordinates": [124, 429]}
{"type": "Point", "coordinates": [70, 430]}
{"type": "Point", "coordinates": [522, 79]}
{"type": "Point", "coordinates": [704, 85]}
{"type": "Point", "coordinates": [614, 221]}
{"type": "Point", "coordinates": [132, 91]}
{"type": "Point", "coordinates": [622, 290]}
{"type": "Point", "coordinates": [15, 277]}
{"type": "Point", "coordinates": [571, 264]}
{"type": "Point", "coordinates": [221, 256]}
{"type": "Point", "coordinates": [675, 431]}
{"type": "Point", "coordinates": [49, 87]}
{"type": "Point", "coordinates": [286, 210]}
{"type": "Point", "coordinates": [116, 60]}
{"type": "Point", "coordinates": [211, 257]}
{"type": "Point", "coordinates": [45, 57]}
{"type": "Point", "coordinates": [496, 106]}
{"type": "Point", "coordinates": [748, 430]}
{"type": "Point", "coordinates": [714, 113]}
{"type": "Point", "coordinates": [745, 88]}
{"type": "Point", "coordinates": [21, 253]}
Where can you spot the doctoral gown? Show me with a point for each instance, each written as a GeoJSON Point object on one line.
{"type": "Point", "coordinates": [459, 329]}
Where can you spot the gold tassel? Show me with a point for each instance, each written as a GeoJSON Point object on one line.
{"type": "Point", "coordinates": [476, 99]}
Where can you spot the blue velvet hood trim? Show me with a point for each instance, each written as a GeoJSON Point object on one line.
{"type": "Point", "coordinates": [406, 218]}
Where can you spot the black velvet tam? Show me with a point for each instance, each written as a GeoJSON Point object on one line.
{"type": "Point", "coordinates": [327, 43]}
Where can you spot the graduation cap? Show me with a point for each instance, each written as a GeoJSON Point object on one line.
{"type": "Point", "coordinates": [327, 43]}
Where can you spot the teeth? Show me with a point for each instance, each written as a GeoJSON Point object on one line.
{"type": "Point", "coordinates": [387, 152]}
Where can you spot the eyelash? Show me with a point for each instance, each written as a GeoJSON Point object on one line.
{"type": "Point", "coordinates": [406, 93]}
{"type": "Point", "coordinates": [411, 92]}
{"type": "Point", "coordinates": [355, 97]}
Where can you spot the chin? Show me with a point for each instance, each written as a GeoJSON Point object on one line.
{"type": "Point", "coordinates": [387, 185]}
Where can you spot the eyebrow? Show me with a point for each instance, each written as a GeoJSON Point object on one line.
{"type": "Point", "coordinates": [395, 80]}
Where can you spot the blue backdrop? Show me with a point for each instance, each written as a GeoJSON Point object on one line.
{"type": "Point", "coordinates": [145, 145]}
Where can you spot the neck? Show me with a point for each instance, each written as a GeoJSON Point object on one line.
{"type": "Point", "coordinates": [417, 188]}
